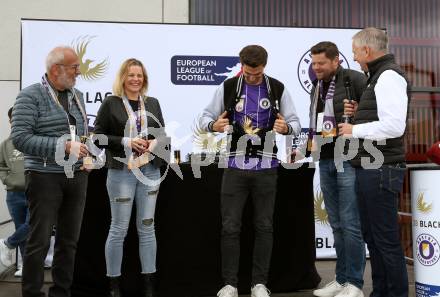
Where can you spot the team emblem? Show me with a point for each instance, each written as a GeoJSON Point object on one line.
{"type": "Point", "coordinates": [264, 103]}
{"type": "Point", "coordinates": [306, 75]}
{"type": "Point", "coordinates": [428, 249]}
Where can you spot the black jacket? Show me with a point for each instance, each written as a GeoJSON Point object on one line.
{"type": "Point", "coordinates": [232, 90]}
{"type": "Point", "coordinates": [111, 120]}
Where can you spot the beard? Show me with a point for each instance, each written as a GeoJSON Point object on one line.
{"type": "Point", "coordinates": [66, 81]}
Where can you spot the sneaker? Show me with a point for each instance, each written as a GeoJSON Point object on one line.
{"type": "Point", "coordinates": [228, 291]}
{"type": "Point", "coordinates": [6, 254]}
{"type": "Point", "coordinates": [329, 290]}
{"type": "Point", "coordinates": [350, 291]}
{"type": "Point", "coordinates": [259, 290]}
{"type": "Point", "coordinates": [49, 257]}
{"type": "Point", "coordinates": [48, 263]}
{"type": "Point", "coordinates": [19, 272]}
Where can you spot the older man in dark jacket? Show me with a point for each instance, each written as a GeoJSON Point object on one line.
{"type": "Point", "coordinates": [47, 119]}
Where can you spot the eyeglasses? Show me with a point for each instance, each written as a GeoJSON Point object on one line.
{"type": "Point", "coordinates": [74, 66]}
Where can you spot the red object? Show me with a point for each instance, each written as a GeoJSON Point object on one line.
{"type": "Point", "coordinates": [434, 153]}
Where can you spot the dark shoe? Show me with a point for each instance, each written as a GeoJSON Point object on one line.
{"type": "Point", "coordinates": [115, 290]}
{"type": "Point", "coordinates": [149, 285]}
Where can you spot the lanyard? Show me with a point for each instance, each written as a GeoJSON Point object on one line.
{"type": "Point", "coordinates": [54, 97]}
{"type": "Point", "coordinates": [138, 122]}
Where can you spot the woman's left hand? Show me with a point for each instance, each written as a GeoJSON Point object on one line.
{"type": "Point", "coordinates": [139, 145]}
{"type": "Point", "coordinates": [151, 145]}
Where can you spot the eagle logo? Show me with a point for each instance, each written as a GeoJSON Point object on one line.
{"type": "Point", "coordinates": [208, 142]}
{"type": "Point", "coordinates": [321, 215]}
{"type": "Point", "coordinates": [88, 70]}
{"type": "Point", "coordinates": [248, 128]}
{"type": "Point", "coordinates": [422, 206]}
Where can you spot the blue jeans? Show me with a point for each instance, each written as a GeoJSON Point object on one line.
{"type": "Point", "coordinates": [378, 191]}
{"type": "Point", "coordinates": [123, 189]}
{"type": "Point", "coordinates": [343, 213]}
{"type": "Point", "coordinates": [19, 211]}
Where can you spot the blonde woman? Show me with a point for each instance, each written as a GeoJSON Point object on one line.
{"type": "Point", "coordinates": [123, 118]}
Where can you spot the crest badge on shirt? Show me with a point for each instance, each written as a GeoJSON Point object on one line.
{"type": "Point", "coordinates": [264, 103]}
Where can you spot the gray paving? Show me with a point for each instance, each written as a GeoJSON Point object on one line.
{"type": "Point", "coordinates": [10, 286]}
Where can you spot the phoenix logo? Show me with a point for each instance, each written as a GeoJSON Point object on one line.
{"type": "Point", "coordinates": [206, 141]}
{"type": "Point", "coordinates": [321, 215]}
{"type": "Point", "coordinates": [88, 70]}
{"type": "Point", "coordinates": [248, 128]}
{"type": "Point", "coordinates": [423, 206]}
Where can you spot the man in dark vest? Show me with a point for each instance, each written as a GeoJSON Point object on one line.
{"type": "Point", "coordinates": [252, 107]}
{"type": "Point", "coordinates": [380, 122]}
{"type": "Point", "coordinates": [337, 176]}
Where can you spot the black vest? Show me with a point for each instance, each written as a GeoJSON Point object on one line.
{"type": "Point", "coordinates": [232, 90]}
{"type": "Point", "coordinates": [393, 151]}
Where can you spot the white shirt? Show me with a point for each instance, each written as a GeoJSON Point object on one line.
{"type": "Point", "coordinates": [392, 105]}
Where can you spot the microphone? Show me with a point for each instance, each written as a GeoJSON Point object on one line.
{"type": "Point", "coordinates": [347, 85]}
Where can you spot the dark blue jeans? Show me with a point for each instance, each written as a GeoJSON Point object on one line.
{"type": "Point", "coordinates": [19, 211]}
{"type": "Point", "coordinates": [341, 204]}
{"type": "Point", "coordinates": [378, 191]}
{"type": "Point", "coordinates": [237, 184]}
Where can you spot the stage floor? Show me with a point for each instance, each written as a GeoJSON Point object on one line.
{"type": "Point", "coordinates": [11, 287]}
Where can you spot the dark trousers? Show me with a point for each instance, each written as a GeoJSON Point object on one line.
{"type": "Point", "coordinates": [237, 184]}
{"type": "Point", "coordinates": [378, 191]}
{"type": "Point", "coordinates": [56, 200]}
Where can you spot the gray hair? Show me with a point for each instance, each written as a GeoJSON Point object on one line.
{"type": "Point", "coordinates": [56, 56]}
{"type": "Point", "coordinates": [372, 37]}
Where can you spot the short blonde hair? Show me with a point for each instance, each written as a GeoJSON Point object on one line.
{"type": "Point", "coordinates": [121, 76]}
{"type": "Point", "coordinates": [372, 37]}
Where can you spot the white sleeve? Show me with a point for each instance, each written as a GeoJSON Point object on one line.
{"type": "Point", "coordinates": [288, 111]}
{"type": "Point", "coordinates": [392, 105]}
{"type": "Point", "coordinates": [211, 112]}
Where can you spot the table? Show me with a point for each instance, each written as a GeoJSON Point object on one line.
{"type": "Point", "coordinates": [188, 226]}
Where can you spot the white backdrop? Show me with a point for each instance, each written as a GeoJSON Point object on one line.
{"type": "Point", "coordinates": [171, 51]}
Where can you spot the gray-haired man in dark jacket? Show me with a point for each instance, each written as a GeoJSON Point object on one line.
{"type": "Point", "coordinates": [43, 115]}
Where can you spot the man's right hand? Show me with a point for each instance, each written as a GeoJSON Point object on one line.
{"type": "Point", "coordinates": [77, 148]}
{"type": "Point", "coordinates": [350, 107]}
{"type": "Point", "coordinates": [222, 123]}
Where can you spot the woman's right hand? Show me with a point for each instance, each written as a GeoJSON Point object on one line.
{"type": "Point", "coordinates": [139, 145]}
